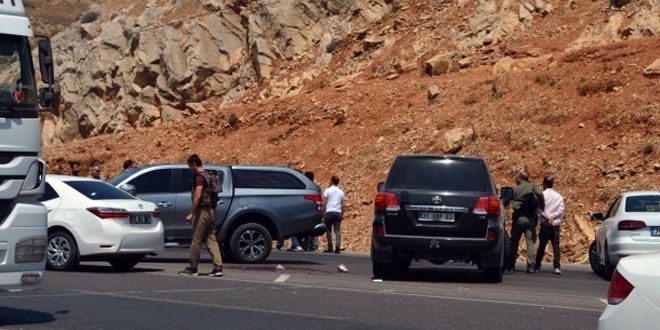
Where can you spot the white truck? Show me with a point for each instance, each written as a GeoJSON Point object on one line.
{"type": "Point", "coordinates": [23, 220]}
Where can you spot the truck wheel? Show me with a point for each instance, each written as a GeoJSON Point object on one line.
{"type": "Point", "coordinates": [250, 243]}
{"type": "Point", "coordinates": [62, 251]}
{"type": "Point", "coordinates": [124, 263]}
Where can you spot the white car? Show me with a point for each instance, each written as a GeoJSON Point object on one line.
{"type": "Point", "coordinates": [631, 226]}
{"type": "Point", "coordinates": [634, 294]}
{"type": "Point", "coordinates": [90, 220]}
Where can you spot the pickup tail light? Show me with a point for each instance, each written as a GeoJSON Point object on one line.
{"type": "Point", "coordinates": [631, 224]}
{"type": "Point", "coordinates": [109, 212]}
{"type": "Point", "coordinates": [386, 202]}
{"type": "Point", "coordinates": [316, 199]}
{"type": "Point", "coordinates": [619, 290]}
{"type": "Point", "coordinates": [488, 205]}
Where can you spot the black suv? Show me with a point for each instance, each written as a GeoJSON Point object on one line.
{"type": "Point", "coordinates": [438, 208]}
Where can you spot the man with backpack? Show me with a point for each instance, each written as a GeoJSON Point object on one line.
{"type": "Point", "coordinates": [202, 215]}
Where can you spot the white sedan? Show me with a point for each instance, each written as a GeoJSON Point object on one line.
{"type": "Point", "coordinates": [90, 220]}
{"type": "Point", "coordinates": [634, 294]}
{"type": "Point", "coordinates": [630, 226]}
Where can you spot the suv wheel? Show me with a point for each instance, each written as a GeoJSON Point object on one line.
{"type": "Point", "coordinates": [494, 275]}
{"type": "Point", "coordinates": [62, 251]}
{"type": "Point", "coordinates": [382, 270]}
{"type": "Point", "coordinates": [250, 243]}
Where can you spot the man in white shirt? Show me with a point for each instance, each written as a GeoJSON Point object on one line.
{"type": "Point", "coordinates": [333, 203]}
{"type": "Point", "coordinates": [550, 224]}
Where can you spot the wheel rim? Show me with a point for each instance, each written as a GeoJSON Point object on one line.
{"type": "Point", "coordinates": [59, 251]}
{"type": "Point", "coordinates": [252, 244]}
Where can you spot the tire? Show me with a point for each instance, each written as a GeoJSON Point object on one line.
{"type": "Point", "coordinates": [124, 263]}
{"type": "Point", "coordinates": [593, 259]}
{"type": "Point", "coordinates": [608, 270]}
{"type": "Point", "coordinates": [250, 243]}
{"type": "Point", "coordinates": [494, 275]}
{"type": "Point", "coordinates": [62, 252]}
{"type": "Point", "coordinates": [382, 270]}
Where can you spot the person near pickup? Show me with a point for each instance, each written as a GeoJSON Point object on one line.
{"type": "Point", "coordinates": [333, 203]}
{"type": "Point", "coordinates": [550, 224]}
{"type": "Point", "coordinates": [202, 216]}
{"type": "Point", "coordinates": [310, 243]}
{"type": "Point", "coordinates": [527, 198]}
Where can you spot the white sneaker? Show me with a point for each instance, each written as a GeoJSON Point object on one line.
{"type": "Point", "coordinates": [342, 268]}
{"type": "Point", "coordinates": [557, 271]}
{"type": "Point", "coordinates": [298, 249]}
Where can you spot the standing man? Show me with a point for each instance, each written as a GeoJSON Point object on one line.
{"type": "Point", "coordinates": [95, 172]}
{"type": "Point", "coordinates": [128, 164]}
{"type": "Point", "coordinates": [202, 216]}
{"type": "Point", "coordinates": [75, 168]}
{"type": "Point", "coordinates": [333, 204]}
{"type": "Point", "coordinates": [550, 224]}
{"type": "Point", "coordinates": [527, 199]}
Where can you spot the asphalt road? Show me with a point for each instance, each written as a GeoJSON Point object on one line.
{"type": "Point", "coordinates": [309, 293]}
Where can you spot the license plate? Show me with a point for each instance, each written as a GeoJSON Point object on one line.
{"type": "Point", "coordinates": [140, 219]}
{"type": "Point", "coordinates": [655, 231]}
{"type": "Point", "coordinates": [434, 216]}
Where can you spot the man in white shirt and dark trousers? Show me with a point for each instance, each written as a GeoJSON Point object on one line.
{"type": "Point", "coordinates": [333, 202]}
{"type": "Point", "coordinates": [550, 224]}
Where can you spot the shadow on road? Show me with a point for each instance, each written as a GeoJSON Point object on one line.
{"type": "Point", "coordinates": [16, 316]}
{"type": "Point", "coordinates": [441, 274]}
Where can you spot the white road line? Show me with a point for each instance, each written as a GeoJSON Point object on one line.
{"type": "Point", "coordinates": [282, 278]}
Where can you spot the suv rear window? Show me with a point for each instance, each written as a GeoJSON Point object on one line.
{"type": "Point", "coordinates": [266, 179]}
{"type": "Point", "coordinates": [438, 174]}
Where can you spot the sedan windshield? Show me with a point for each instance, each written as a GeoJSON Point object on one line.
{"type": "Point", "coordinates": [98, 190]}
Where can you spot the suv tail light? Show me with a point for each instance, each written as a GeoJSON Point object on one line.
{"type": "Point", "coordinates": [631, 224]}
{"type": "Point", "coordinates": [488, 205]}
{"type": "Point", "coordinates": [316, 199]}
{"type": "Point", "coordinates": [620, 288]}
{"type": "Point", "coordinates": [386, 202]}
{"type": "Point", "coordinates": [109, 212]}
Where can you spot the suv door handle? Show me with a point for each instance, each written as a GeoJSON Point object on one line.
{"type": "Point", "coordinates": [164, 204]}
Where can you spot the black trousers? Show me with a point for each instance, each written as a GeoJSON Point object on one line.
{"type": "Point", "coordinates": [548, 233]}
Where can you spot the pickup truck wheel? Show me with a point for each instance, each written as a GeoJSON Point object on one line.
{"type": "Point", "coordinates": [62, 251]}
{"type": "Point", "coordinates": [250, 243]}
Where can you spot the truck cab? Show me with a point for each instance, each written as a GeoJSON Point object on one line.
{"type": "Point", "coordinates": [23, 220]}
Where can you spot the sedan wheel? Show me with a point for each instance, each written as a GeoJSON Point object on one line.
{"type": "Point", "coordinates": [593, 259]}
{"type": "Point", "coordinates": [62, 251]}
{"type": "Point", "coordinates": [251, 243]}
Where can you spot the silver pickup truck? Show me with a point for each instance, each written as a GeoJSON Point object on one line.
{"type": "Point", "coordinates": [258, 204]}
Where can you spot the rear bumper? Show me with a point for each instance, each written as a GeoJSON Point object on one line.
{"type": "Point", "coordinates": [622, 247]}
{"type": "Point", "coordinates": [487, 253]}
{"type": "Point", "coordinates": [636, 309]}
{"type": "Point", "coordinates": [117, 238]}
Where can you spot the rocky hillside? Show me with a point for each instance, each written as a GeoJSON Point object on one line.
{"type": "Point", "coordinates": [342, 87]}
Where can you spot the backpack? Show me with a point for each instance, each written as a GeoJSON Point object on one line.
{"type": "Point", "coordinates": [211, 189]}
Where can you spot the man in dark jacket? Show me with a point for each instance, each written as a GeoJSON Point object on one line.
{"type": "Point", "coordinates": [527, 198]}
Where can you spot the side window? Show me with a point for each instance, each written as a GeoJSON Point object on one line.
{"type": "Point", "coordinates": [613, 208]}
{"type": "Point", "coordinates": [266, 179]}
{"type": "Point", "coordinates": [48, 194]}
{"type": "Point", "coordinates": [153, 182]}
{"type": "Point", "coordinates": [185, 184]}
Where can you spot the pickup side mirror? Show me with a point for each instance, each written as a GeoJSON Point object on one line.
{"type": "Point", "coordinates": [506, 194]}
{"type": "Point", "coordinates": [129, 188]}
{"type": "Point", "coordinates": [597, 216]}
{"type": "Point", "coordinates": [380, 186]}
